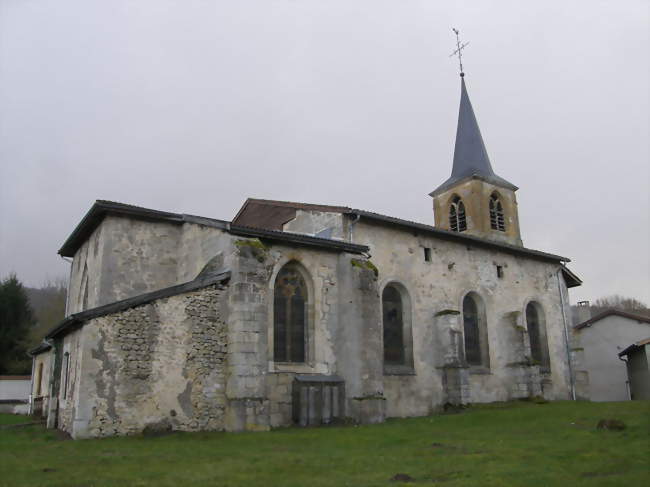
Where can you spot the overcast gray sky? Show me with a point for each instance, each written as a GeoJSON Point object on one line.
{"type": "Point", "coordinates": [191, 106]}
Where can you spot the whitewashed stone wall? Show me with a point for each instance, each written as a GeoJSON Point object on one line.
{"type": "Point", "coordinates": [161, 363]}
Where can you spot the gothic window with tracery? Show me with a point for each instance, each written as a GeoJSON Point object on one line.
{"type": "Point", "coordinates": [475, 332]}
{"type": "Point", "coordinates": [457, 218]}
{"type": "Point", "coordinates": [290, 315]}
{"type": "Point", "coordinates": [497, 219]}
{"type": "Point", "coordinates": [393, 320]}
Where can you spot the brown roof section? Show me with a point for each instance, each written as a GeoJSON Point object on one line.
{"type": "Point", "coordinates": [15, 377]}
{"type": "Point", "coordinates": [272, 214]}
{"type": "Point", "coordinates": [610, 312]}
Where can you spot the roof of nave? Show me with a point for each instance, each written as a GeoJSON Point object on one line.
{"type": "Point", "coordinates": [264, 225]}
{"type": "Point", "coordinates": [103, 208]}
{"type": "Point", "coordinates": [252, 211]}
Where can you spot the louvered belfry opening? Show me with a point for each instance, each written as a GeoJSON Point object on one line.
{"type": "Point", "coordinates": [289, 316]}
{"type": "Point", "coordinates": [318, 399]}
{"type": "Point", "coordinates": [497, 219]}
{"type": "Point", "coordinates": [457, 218]}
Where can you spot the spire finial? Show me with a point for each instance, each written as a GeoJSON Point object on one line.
{"type": "Point", "coordinates": [458, 51]}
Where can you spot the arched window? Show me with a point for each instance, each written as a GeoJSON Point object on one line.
{"type": "Point", "coordinates": [497, 220]}
{"type": "Point", "coordinates": [475, 331]}
{"type": "Point", "coordinates": [457, 218]}
{"type": "Point", "coordinates": [290, 315]}
{"type": "Point", "coordinates": [537, 335]}
{"type": "Point", "coordinates": [393, 313]}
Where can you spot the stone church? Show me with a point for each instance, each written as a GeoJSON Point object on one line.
{"type": "Point", "coordinates": [306, 314]}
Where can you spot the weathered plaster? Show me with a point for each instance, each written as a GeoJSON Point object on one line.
{"type": "Point", "coordinates": [163, 361]}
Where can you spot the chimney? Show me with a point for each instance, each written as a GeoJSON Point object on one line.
{"type": "Point", "coordinates": [584, 311]}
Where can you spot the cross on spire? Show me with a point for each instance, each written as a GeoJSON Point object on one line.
{"type": "Point", "coordinates": [458, 51]}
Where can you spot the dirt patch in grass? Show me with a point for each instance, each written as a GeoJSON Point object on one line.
{"type": "Point", "coordinates": [590, 475]}
{"type": "Point", "coordinates": [402, 477]}
{"type": "Point", "coordinates": [611, 424]}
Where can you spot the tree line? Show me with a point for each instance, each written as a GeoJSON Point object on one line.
{"type": "Point", "coordinates": [26, 315]}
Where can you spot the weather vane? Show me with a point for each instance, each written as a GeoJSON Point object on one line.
{"type": "Point", "coordinates": [458, 51]}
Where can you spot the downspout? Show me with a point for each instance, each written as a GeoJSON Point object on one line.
{"type": "Point", "coordinates": [355, 218]}
{"type": "Point", "coordinates": [566, 337]}
{"type": "Point", "coordinates": [31, 388]}
{"type": "Point", "coordinates": [627, 382]}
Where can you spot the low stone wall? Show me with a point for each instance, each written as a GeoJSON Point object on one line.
{"type": "Point", "coordinates": [158, 365]}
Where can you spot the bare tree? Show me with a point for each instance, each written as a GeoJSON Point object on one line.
{"type": "Point", "coordinates": [622, 303]}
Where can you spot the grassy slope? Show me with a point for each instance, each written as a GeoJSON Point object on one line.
{"type": "Point", "coordinates": [493, 445]}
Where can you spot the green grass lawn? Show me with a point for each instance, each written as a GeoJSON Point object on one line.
{"type": "Point", "coordinates": [511, 444]}
{"type": "Point", "coordinates": [6, 419]}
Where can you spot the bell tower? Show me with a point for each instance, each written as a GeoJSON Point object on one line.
{"type": "Point", "coordinates": [474, 200]}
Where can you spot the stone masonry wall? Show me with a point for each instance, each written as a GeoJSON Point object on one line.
{"type": "Point", "coordinates": [160, 364]}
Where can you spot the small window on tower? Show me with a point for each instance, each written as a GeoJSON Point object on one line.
{"type": "Point", "coordinates": [499, 271]}
{"type": "Point", "coordinates": [427, 254]}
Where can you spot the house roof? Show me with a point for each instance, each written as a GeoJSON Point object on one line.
{"type": "Point", "coordinates": [634, 346]}
{"type": "Point", "coordinates": [77, 319]}
{"type": "Point", "coordinates": [471, 159]}
{"type": "Point", "coordinates": [611, 312]}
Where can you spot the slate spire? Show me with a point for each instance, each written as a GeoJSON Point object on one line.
{"type": "Point", "coordinates": [470, 156]}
